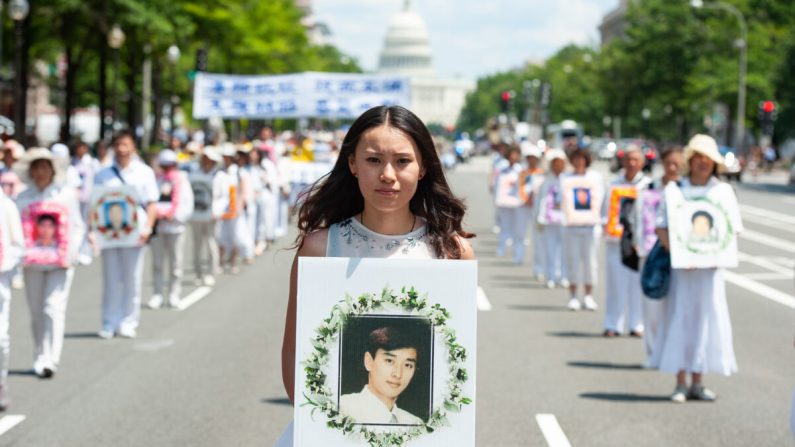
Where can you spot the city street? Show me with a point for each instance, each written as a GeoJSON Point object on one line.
{"type": "Point", "coordinates": [209, 375]}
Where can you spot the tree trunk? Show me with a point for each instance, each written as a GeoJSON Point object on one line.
{"type": "Point", "coordinates": [157, 94]}
{"type": "Point", "coordinates": [132, 71]}
{"type": "Point", "coordinates": [103, 84]}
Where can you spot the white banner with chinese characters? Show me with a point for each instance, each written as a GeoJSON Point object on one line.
{"type": "Point", "coordinates": [300, 95]}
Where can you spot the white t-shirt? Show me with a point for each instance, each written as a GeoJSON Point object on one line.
{"type": "Point", "coordinates": [366, 408]}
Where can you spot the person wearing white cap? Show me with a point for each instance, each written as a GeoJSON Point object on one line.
{"type": "Point", "coordinates": [530, 181]}
{"type": "Point", "coordinates": [12, 186]}
{"type": "Point", "coordinates": [122, 267]}
{"type": "Point", "coordinates": [13, 243]}
{"type": "Point", "coordinates": [210, 198]}
{"type": "Point", "coordinates": [623, 295]}
{"type": "Point", "coordinates": [272, 190]}
{"type": "Point", "coordinates": [86, 167]}
{"type": "Point", "coordinates": [60, 150]}
{"type": "Point", "coordinates": [174, 208]}
{"type": "Point", "coordinates": [549, 218]}
{"type": "Point", "coordinates": [697, 335]}
{"type": "Point", "coordinates": [47, 284]}
{"type": "Point", "coordinates": [232, 231]}
{"type": "Point", "coordinates": [508, 203]}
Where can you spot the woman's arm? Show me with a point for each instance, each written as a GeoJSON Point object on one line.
{"type": "Point", "coordinates": [314, 246]}
{"type": "Point", "coordinates": [467, 252]}
{"type": "Point", "coordinates": [662, 235]}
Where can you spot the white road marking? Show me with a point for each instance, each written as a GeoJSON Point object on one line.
{"type": "Point", "coordinates": [194, 297]}
{"type": "Point", "coordinates": [483, 300]}
{"type": "Point", "coordinates": [770, 241]}
{"type": "Point", "coordinates": [765, 263]}
{"type": "Point", "coordinates": [154, 345]}
{"type": "Point", "coordinates": [552, 431]}
{"type": "Point", "coordinates": [760, 289]}
{"type": "Point", "coordinates": [10, 421]}
{"type": "Point", "coordinates": [788, 218]}
{"type": "Point", "coordinates": [769, 222]}
{"type": "Point", "coordinates": [768, 276]}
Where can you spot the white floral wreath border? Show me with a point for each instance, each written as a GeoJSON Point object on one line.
{"type": "Point", "coordinates": [319, 395]}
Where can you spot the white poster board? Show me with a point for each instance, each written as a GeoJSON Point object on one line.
{"type": "Point", "coordinates": [116, 216]}
{"type": "Point", "coordinates": [202, 187]}
{"type": "Point", "coordinates": [703, 226]}
{"type": "Point", "coordinates": [582, 200]}
{"type": "Point", "coordinates": [418, 318]}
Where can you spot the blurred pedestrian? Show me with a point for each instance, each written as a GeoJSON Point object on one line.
{"type": "Point", "coordinates": [580, 241]}
{"type": "Point", "coordinates": [623, 295]}
{"type": "Point", "coordinates": [204, 222]}
{"type": "Point", "coordinates": [645, 218]}
{"type": "Point", "coordinates": [697, 332]}
{"type": "Point", "coordinates": [422, 218]}
{"type": "Point", "coordinates": [174, 208]}
{"type": "Point", "coordinates": [12, 242]}
{"type": "Point", "coordinates": [233, 231]}
{"type": "Point", "coordinates": [508, 204]}
{"type": "Point", "coordinates": [122, 267]}
{"type": "Point", "coordinates": [251, 186]}
{"type": "Point", "coordinates": [530, 181]}
{"type": "Point", "coordinates": [86, 167]}
{"type": "Point", "coordinates": [12, 186]}
{"type": "Point", "coordinates": [549, 218]}
{"type": "Point", "coordinates": [47, 286]}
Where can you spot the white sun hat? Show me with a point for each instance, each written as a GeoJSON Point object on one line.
{"type": "Point", "coordinates": [59, 164]}
{"type": "Point", "coordinates": [704, 145]}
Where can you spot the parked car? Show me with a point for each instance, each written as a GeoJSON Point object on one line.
{"type": "Point", "coordinates": [733, 164]}
{"type": "Point", "coordinates": [603, 148]}
{"type": "Point", "coordinates": [650, 154]}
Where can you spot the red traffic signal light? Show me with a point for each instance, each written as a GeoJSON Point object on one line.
{"type": "Point", "coordinates": [506, 96]}
{"type": "Point", "coordinates": [768, 106]}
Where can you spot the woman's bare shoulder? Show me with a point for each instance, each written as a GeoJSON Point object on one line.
{"type": "Point", "coordinates": [467, 252]}
{"type": "Point", "coordinates": [314, 244]}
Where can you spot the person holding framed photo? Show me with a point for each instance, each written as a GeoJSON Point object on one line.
{"type": "Point", "coordinates": [549, 219]}
{"type": "Point", "coordinates": [386, 197]}
{"type": "Point", "coordinates": [12, 245]}
{"type": "Point", "coordinates": [696, 336]}
{"type": "Point", "coordinates": [47, 285]}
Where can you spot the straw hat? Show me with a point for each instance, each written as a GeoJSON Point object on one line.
{"type": "Point", "coordinates": [704, 145]}
{"type": "Point", "coordinates": [213, 154]}
{"type": "Point", "coordinates": [228, 150]}
{"type": "Point", "coordinates": [59, 164]}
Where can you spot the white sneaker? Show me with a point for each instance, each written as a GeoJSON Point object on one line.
{"type": "Point", "coordinates": [209, 281]}
{"type": "Point", "coordinates": [550, 284]}
{"type": "Point", "coordinates": [589, 303]}
{"type": "Point", "coordinates": [105, 334]}
{"type": "Point", "coordinates": [17, 283]}
{"type": "Point", "coordinates": [173, 301]}
{"type": "Point", "coordinates": [127, 333]}
{"type": "Point", "coordinates": [574, 304]}
{"type": "Point", "coordinates": [565, 283]}
{"type": "Point", "coordinates": [156, 302]}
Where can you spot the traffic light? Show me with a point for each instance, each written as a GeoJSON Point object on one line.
{"type": "Point", "coordinates": [506, 97]}
{"type": "Point", "coordinates": [201, 59]}
{"type": "Point", "coordinates": [768, 112]}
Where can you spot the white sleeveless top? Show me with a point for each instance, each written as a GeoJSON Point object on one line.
{"type": "Point", "coordinates": [351, 239]}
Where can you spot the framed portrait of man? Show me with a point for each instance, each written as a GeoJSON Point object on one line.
{"type": "Point", "coordinates": [115, 216]}
{"type": "Point", "coordinates": [202, 198]}
{"type": "Point", "coordinates": [385, 352]}
{"type": "Point", "coordinates": [582, 200]}
{"type": "Point", "coordinates": [46, 229]}
{"type": "Point", "coordinates": [703, 228]}
{"type": "Point", "coordinates": [507, 189]}
{"type": "Point", "coordinates": [621, 205]}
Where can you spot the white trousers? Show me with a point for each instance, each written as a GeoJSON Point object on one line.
{"type": "Point", "coordinates": [554, 264]}
{"type": "Point", "coordinates": [204, 239]}
{"type": "Point", "coordinates": [654, 311]}
{"type": "Point", "coordinates": [122, 274]}
{"type": "Point", "coordinates": [623, 300]}
{"type": "Point", "coordinates": [167, 248]}
{"type": "Point", "coordinates": [233, 233]}
{"type": "Point", "coordinates": [580, 247]}
{"type": "Point", "coordinates": [538, 248]}
{"type": "Point", "coordinates": [511, 228]}
{"type": "Point", "coordinates": [282, 221]}
{"type": "Point", "coordinates": [5, 312]}
{"type": "Point", "coordinates": [47, 292]}
{"type": "Point", "coordinates": [247, 250]}
{"type": "Point", "coordinates": [270, 212]}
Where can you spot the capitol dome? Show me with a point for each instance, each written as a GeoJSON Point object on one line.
{"type": "Point", "coordinates": [407, 50]}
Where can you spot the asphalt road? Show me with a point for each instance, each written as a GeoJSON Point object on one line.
{"type": "Point", "coordinates": [209, 375]}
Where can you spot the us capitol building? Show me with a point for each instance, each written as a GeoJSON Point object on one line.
{"type": "Point", "coordinates": [407, 52]}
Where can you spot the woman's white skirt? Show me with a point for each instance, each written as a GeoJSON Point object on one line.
{"type": "Point", "coordinates": [697, 334]}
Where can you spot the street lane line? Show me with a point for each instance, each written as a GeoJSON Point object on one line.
{"type": "Point", "coordinates": [770, 241]}
{"type": "Point", "coordinates": [769, 223]}
{"type": "Point", "coordinates": [762, 212]}
{"type": "Point", "coordinates": [194, 297]}
{"type": "Point", "coordinates": [10, 421]}
{"type": "Point", "coordinates": [765, 263]}
{"type": "Point", "coordinates": [768, 276]}
{"type": "Point", "coordinates": [552, 431]}
{"type": "Point", "coordinates": [760, 289]}
{"type": "Point", "coordinates": [483, 300]}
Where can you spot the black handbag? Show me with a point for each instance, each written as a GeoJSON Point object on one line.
{"type": "Point", "coordinates": [655, 279]}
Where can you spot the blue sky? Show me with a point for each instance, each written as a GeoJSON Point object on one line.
{"type": "Point", "coordinates": [469, 38]}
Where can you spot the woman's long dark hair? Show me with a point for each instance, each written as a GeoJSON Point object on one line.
{"type": "Point", "coordinates": [336, 196]}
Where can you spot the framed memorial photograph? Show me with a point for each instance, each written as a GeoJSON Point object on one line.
{"type": "Point", "coordinates": [165, 202]}
{"type": "Point", "coordinates": [507, 189]}
{"type": "Point", "coordinates": [649, 201]}
{"type": "Point", "coordinates": [385, 352]}
{"type": "Point", "coordinates": [529, 184]}
{"type": "Point", "coordinates": [703, 229]}
{"type": "Point", "coordinates": [45, 226]}
{"type": "Point", "coordinates": [202, 198]}
{"type": "Point", "coordinates": [114, 216]}
{"type": "Point", "coordinates": [621, 201]}
{"type": "Point", "coordinates": [582, 200]}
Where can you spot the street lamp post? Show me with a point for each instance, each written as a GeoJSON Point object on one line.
{"type": "Point", "coordinates": [116, 39]}
{"type": "Point", "coordinates": [742, 45]}
{"type": "Point", "coordinates": [173, 54]}
{"type": "Point", "coordinates": [18, 10]}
